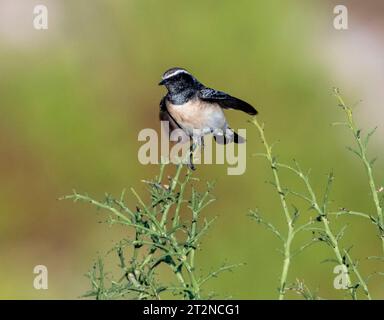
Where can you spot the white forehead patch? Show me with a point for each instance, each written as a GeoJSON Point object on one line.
{"type": "Point", "coordinates": [175, 73]}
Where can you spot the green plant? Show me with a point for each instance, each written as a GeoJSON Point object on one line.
{"type": "Point", "coordinates": [361, 152]}
{"type": "Point", "coordinates": [166, 230]}
{"type": "Point", "coordinates": [163, 234]}
{"type": "Point", "coordinates": [320, 225]}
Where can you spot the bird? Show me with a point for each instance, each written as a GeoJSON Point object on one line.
{"type": "Point", "coordinates": [198, 110]}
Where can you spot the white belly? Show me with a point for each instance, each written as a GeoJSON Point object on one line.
{"type": "Point", "coordinates": [198, 115]}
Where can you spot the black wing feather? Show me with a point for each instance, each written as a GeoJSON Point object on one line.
{"type": "Point", "coordinates": [226, 101]}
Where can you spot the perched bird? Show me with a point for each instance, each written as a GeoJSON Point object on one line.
{"type": "Point", "coordinates": [197, 109]}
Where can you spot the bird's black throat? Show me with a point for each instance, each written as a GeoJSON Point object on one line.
{"type": "Point", "coordinates": [181, 97]}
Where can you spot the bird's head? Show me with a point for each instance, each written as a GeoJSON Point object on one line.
{"type": "Point", "coordinates": [177, 80]}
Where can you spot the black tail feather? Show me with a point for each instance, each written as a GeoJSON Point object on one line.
{"type": "Point", "coordinates": [221, 139]}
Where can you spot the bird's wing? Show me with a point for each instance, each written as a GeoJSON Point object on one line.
{"type": "Point", "coordinates": [165, 116]}
{"type": "Point", "coordinates": [226, 101]}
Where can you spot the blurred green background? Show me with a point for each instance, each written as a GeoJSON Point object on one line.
{"type": "Point", "coordinates": [74, 97]}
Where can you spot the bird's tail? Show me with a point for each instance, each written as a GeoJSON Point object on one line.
{"type": "Point", "coordinates": [237, 138]}
{"type": "Point", "coordinates": [230, 136]}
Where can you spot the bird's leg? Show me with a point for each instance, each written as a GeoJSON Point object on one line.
{"type": "Point", "coordinates": [191, 150]}
{"type": "Point", "coordinates": [202, 142]}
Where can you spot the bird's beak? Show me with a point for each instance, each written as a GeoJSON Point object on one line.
{"type": "Point", "coordinates": [162, 82]}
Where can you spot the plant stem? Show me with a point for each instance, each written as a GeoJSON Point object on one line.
{"type": "Point", "coordinates": [189, 266]}
{"type": "Point", "coordinates": [290, 231]}
{"type": "Point", "coordinates": [323, 216]}
{"type": "Point", "coordinates": [286, 264]}
{"type": "Point", "coordinates": [174, 182]}
{"type": "Point", "coordinates": [192, 255]}
{"type": "Point", "coordinates": [367, 164]}
{"type": "Point", "coordinates": [352, 213]}
{"type": "Point", "coordinates": [180, 201]}
{"type": "Point", "coordinates": [356, 271]}
{"type": "Point", "coordinates": [337, 252]}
